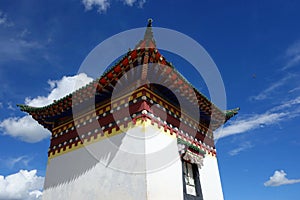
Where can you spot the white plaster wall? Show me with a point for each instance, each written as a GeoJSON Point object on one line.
{"type": "Point", "coordinates": [142, 164]}
{"type": "Point", "coordinates": [163, 164]}
{"type": "Point", "coordinates": [210, 179]}
{"type": "Point", "coordinates": [104, 170]}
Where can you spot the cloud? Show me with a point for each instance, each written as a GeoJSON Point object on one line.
{"type": "Point", "coordinates": [23, 185]}
{"type": "Point", "coordinates": [294, 89]}
{"type": "Point", "coordinates": [242, 147]}
{"type": "Point", "coordinates": [17, 48]}
{"type": "Point", "coordinates": [129, 2]}
{"type": "Point", "coordinates": [3, 20]}
{"type": "Point", "coordinates": [279, 178]}
{"type": "Point", "coordinates": [27, 129]}
{"type": "Point", "coordinates": [59, 89]}
{"type": "Point", "coordinates": [10, 106]}
{"type": "Point", "coordinates": [253, 122]}
{"type": "Point", "coordinates": [292, 62]}
{"type": "Point", "coordinates": [16, 45]}
{"type": "Point", "coordinates": [293, 55]}
{"type": "Point", "coordinates": [12, 162]}
{"type": "Point", "coordinates": [24, 128]}
{"type": "Point", "coordinates": [140, 3]}
{"type": "Point", "coordinates": [24, 33]}
{"type": "Point", "coordinates": [267, 92]}
{"type": "Point", "coordinates": [286, 110]}
{"type": "Point", "coordinates": [102, 5]}
{"type": "Point", "coordinates": [286, 105]}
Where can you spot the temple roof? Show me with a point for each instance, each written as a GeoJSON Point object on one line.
{"type": "Point", "coordinates": [147, 52]}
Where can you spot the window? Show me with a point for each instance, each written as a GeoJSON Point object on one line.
{"type": "Point", "coordinates": [191, 183]}
{"type": "Point", "coordinates": [189, 178]}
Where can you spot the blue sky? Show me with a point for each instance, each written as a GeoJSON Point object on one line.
{"type": "Point", "coordinates": [255, 44]}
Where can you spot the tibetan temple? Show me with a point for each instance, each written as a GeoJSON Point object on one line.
{"type": "Point", "coordinates": [141, 132]}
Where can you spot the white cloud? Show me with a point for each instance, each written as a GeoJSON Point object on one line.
{"type": "Point", "coordinates": [23, 185]}
{"type": "Point", "coordinates": [139, 3]}
{"type": "Point", "coordinates": [24, 33]}
{"type": "Point", "coordinates": [273, 87]}
{"type": "Point", "coordinates": [294, 89]}
{"type": "Point", "coordinates": [292, 62]}
{"type": "Point", "coordinates": [286, 105]}
{"type": "Point", "coordinates": [15, 45]}
{"type": "Point", "coordinates": [27, 129]}
{"type": "Point", "coordinates": [242, 147]}
{"type": "Point", "coordinates": [36, 194]}
{"type": "Point", "coordinates": [244, 125]}
{"type": "Point", "coordinates": [129, 2]}
{"type": "Point", "coordinates": [17, 49]}
{"type": "Point", "coordinates": [21, 160]}
{"type": "Point", "coordinates": [10, 106]}
{"type": "Point", "coordinates": [3, 20]}
{"type": "Point", "coordinates": [102, 5]}
{"type": "Point", "coordinates": [293, 55]}
{"type": "Point", "coordinates": [59, 89]}
{"type": "Point", "coordinates": [287, 110]}
{"type": "Point", "coordinates": [24, 128]}
{"type": "Point", "coordinates": [279, 178]}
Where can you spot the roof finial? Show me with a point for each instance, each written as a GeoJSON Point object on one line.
{"type": "Point", "coordinates": [148, 34]}
{"type": "Point", "coordinates": [150, 22]}
{"type": "Point", "coordinates": [148, 40]}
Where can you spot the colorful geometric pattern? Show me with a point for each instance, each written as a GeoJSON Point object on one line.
{"type": "Point", "coordinates": [144, 106]}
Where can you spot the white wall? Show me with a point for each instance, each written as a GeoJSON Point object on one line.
{"type": "Point", "coordinates": [210, 179]}
{"type": "Point", "coordinates": [141, 164]}
{"type": "Point", "coordinates": [163, 164]}
{"type": "Point", "coordinates": [107, 169]}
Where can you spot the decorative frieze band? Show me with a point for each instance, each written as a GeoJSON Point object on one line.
{"type": "Point", "coordinates": [142, 105]}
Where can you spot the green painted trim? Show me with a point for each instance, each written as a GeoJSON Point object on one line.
{"type": "Point", "coordinates": [190, 146]}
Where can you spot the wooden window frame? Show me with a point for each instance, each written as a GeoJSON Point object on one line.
{"type": "Point", "coordinates": [196, 178]}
